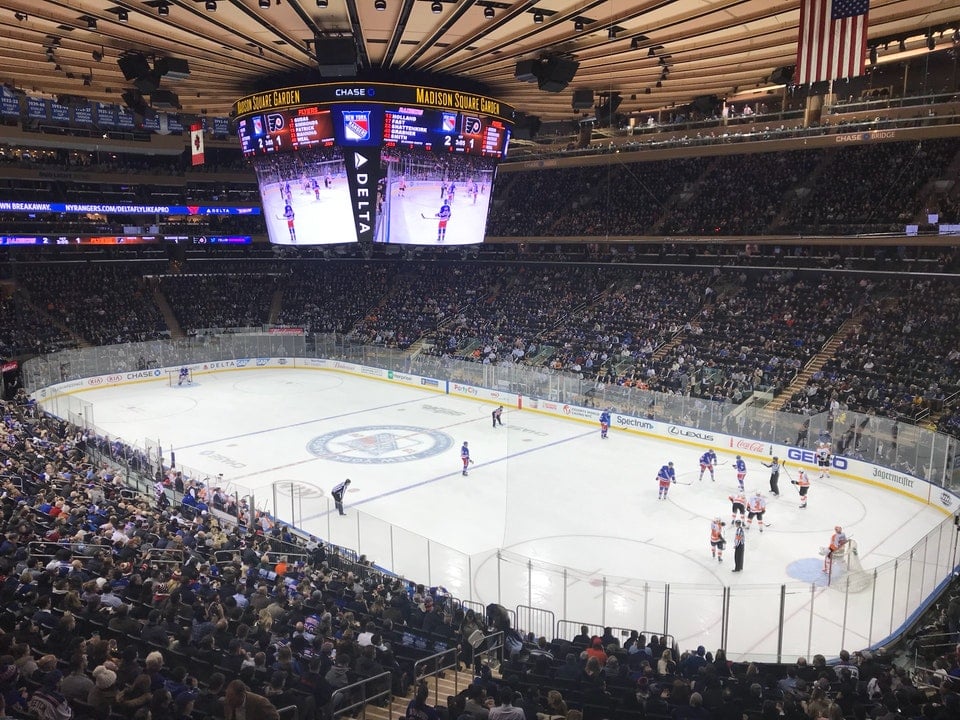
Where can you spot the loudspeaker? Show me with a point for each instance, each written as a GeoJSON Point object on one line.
{"type": "Point", "coordinates": [782, 75]}
{"type": "Point", "coordinates": [133, 66]}
{"type": "Point", "coordinates": [337, 57]}
{"type": "Point", "coordinates": [526, 127]}
{"type": "Point", "coordinates": [164, 100]}
{"type": "Point", "coordinates": [149, 83]}
{"type": "Point", "coordinates": [556, 73]}
{"type": "Point", "coordinates": [527, 70]}
{"type": "Point", "coordinates": [173, 68]}
{"type": "Point", "coordinates": [582, 99]}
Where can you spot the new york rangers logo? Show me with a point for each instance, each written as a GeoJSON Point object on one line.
{"type": "Point", "coordinates": [356, 126]}
{"type": "Point", "coordinates": [449, 122]}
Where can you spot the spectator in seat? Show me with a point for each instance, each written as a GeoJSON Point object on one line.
{"type": "Point", "coordinates": [596, 651]}
{"type": "Point", "coordinates": [505, 710]}
{"type": "Point", "coordinates": [241, 704]}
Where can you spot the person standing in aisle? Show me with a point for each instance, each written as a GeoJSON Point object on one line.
{"type": "Point", "coordinates": [738, 547]}
{"type": "Point", "coordinates": [337, 493]}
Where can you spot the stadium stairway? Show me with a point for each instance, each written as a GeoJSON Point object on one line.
{"type": "Point", "coordinates": [168, 317]}
{"type": "Point", "coordinates": [440, 689]}
{"type": "Point", "coordinates": [276, 303]}
{"type": "Point", "coordinates": [816, 362]}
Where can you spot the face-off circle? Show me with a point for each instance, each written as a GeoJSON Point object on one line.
{"type": "Point", "coordinates": [380, 444]}
{"type": "Point", "coordinates": [298, 489]}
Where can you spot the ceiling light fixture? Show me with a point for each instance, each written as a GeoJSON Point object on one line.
{"type": "Point", "coordinates": [873, 55]}
{"type": "Point", "coordinates": [931, 42]}
{"type": "Point", "coordinates": [488, 12]}
{"type": "Point", "coordinates": [20, 16]}
{"type": "Point", "coordinates": [163, 9]}
{"type": "Point", "coordinates": [579, 25]}
{"type": "Point", "coordinates": [91, 24]}
{"type": "Point", "coordinates": [635, 44]}
{"type": "Point", "coordinates": [651, 53]}
{"type": "Point", "coordinates": [322, 4]}
{"type": "Point", "coordinates": [659, 83]}
{"type": "Point", "coordinates": [611, 33]}
{"type": "Point", "coordinates": [538, 18]}
{"type": "Point", "coordinates": [903, 44]}
{"type": "Point", "coordinates": [57, 68]}
{"type": "Point", "coordinates": [211, 5]}
{"type": "Point", "coordinates": [123, 15]}
{"type": "Point", "coordinates": [264, 4]}
{"type": "Point", "coordinates": [380, 5]}
{"type": "Point", "coordinates": [437, 7]}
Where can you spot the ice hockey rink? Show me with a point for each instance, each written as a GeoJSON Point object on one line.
{"type": "Point", "coordinates": [583, 511]}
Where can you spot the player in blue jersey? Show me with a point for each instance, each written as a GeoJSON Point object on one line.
{"type": "Point", "coordinates": [741, 467]}
{"type": "Point", "coordinates": [604, 423]}
{"type": "Point", "coordinates": [465, 457]}
{"type": "Point", "coordinates": [665, 477]}
{"type": "Point", "coordinates": [707, 461]}
{"type": "Point", "coordinates": [443, 216]}
{"type": "Point", "coordinates": [184, 376]}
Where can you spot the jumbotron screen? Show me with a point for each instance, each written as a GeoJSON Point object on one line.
{"type": "Point", "coordinates": [343, 162]}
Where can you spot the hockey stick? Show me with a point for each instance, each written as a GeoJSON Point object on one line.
{"type": "Point", "coordinates": [428, 217]}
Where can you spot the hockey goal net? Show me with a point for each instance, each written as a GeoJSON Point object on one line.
{"type": "Point", "coordinates": [846, 571]}
{"type": "Point", "coordinates": [173, 378]}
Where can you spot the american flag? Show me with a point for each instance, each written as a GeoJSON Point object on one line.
{"type": "Point", "coordinates": [833, 40]}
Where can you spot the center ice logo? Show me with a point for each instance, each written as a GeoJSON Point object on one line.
{"type": "Point", "coordinates": [380, 444]}
{"type": "Point", "coordinates": [356, 126]}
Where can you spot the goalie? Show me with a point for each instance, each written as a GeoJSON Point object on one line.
{"type": "Point", "coordinates": [837, 542]}
{"type": "Point", "coordinates": [184, 376]}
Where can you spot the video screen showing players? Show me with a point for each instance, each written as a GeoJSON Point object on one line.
{"type": "Point", "coordinates": [306, 198]}
{"type": "Point", "coordinates": [433, 198]}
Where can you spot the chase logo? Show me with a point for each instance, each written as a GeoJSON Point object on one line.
{"type": "Point", "coordinates": [380, 444]}
{"type": "Point", "coordinates": [356, 126]}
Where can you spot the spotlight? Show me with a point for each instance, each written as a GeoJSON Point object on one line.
{"type": "Point", "coordinates": [578, 25]}
{"type": "Point", "coordinates": [538, 18]}
{"type": "Point", "coordinates": [651, 53]}
{"type": "Point", "coordinates": [97, 55]}
{"type": "Point", "coordinates": [163, 10]}
{"type": "Point", "coordinates": [488, 12]}
{"type": "Point", "coordinates": [87, 80]}
{"type": "Point", "coordinates": [380, 5]}
{"type": "Point", "coordinates": [123, 15]}
{"type": "Point", "coordinates": [903, 44]}
{"type": "Point", "coordinates": [931, 43]}
{"type": "Point", "coordinates": [611, 33]}
{"type": "Point", "coordinates": [873, 56]}
{"type": "Point", "coordinates": [211, 5]}
{"type": "Point", "coordinates": [20, 16]}
{"type": "Point", "coordinates": [322, 4]}
{"type": "Point", "coordinates": [91, 24]}
{"type": "Point", "coordinates": [635, 44]}
{"type": "Point", "coordinates": [659, 83]}
{"type": "Point", "coordinates": [264, 4]}
{"type": "Point", "coordinates": [437, 7]}
{"type": "Point", "coordinates": [57, 68]}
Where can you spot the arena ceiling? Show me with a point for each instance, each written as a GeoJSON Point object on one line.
{"type": "Point", "coordinates": [71, 47]}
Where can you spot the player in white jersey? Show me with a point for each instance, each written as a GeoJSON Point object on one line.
{"type": "Point", "coordinates": [823, 458]}
{"type": "Point", "coordinates": [756, 506]}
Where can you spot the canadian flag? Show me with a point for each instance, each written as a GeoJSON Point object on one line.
{"type": "Point", "coordinates": [196, 143]}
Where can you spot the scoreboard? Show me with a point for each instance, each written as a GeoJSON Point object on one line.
{"type": "Point", "coordinates": [285, 130]}
{"type": "Point", "coordinates": [446, 131]}
{"type": "Point", "coordinates": [347, 161]}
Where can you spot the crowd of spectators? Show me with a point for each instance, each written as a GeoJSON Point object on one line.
{"type": "Point", "coordinates": [202, 301]}
{"type": "Point", "coordinates": [101, 304]}
{"type": "Point", "coordinates": [901, 358]}
{"type": "Point", "coordinates": [24, 330]}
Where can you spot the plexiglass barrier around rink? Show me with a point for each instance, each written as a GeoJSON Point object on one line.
{"type": "Point", "coordinates": [763, 622]}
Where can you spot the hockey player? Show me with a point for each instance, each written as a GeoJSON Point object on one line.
{"type": "Point", "coordinates": [774, 466]}
{"type": "Point", "coordinates": [756, 506]}
{"type": "Point", "coordinates": [716, 539]}
{"type": "Point", "coordinates": [803, 485]}
{"type": "Point", "coordinates": [184, 376]}
{"type": "Point", "coordinates": [738, 506]}
{"type": "Point", "coordinates": [338, 493]}
{"type": "Point", "coordinates": [707, 461]}
{"type": "Point", "coordinates": [465, 457]}
{"type": "Point", "coordinates": [837, 541]}
{"type": "Point", "coordinates": [496, 416]}
{"type": "Point", "coordinates": [665, 477]}
{"type": "Point", "coordinates": [443, 216]}
{"type": "Point", "coordinates": [823, 458]}
{"type": "Point", "coordinates": [604, 423]}
{"type": "Point", "coordinates": [289, 215]}
{"type": "Point", "coordinates": [741, 467]}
